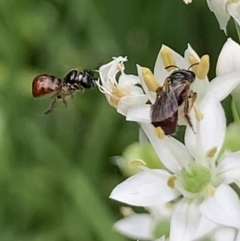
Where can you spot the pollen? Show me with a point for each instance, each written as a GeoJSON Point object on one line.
{"type": "Point", "coordinates": [211, 152]}
{"type": "Point", "coordinates": [158, 131]}
{"type": "Point", "coordinates": [210, 190]}
{"type": "Point", "coordinates": [203, 67]}
{"type": "Point", "coordinates": [126, 211]}
{"type": "Point", "coordinates": [136, 163]}
{"type": "Point", "coordinates": [149, 79]}
{"type": "Point", "coordinates": [198, 114]}
{"type": "Point", "coordinates": [171, 181]}
{"type": "Point", "coordinates": [192, 60]}
{"type": "Point", "coordinates": [167, 58]}
{"type": "Point", "coordinates": [116, 94]}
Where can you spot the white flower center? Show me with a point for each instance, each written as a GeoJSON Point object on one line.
{"type": "Point", "coordinates": [113, 91]}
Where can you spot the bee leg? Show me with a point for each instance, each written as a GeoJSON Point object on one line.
{"type": "Point", "coordinates": [51, 107]}
{"type": "Point", "coordinates": [166, 85]}
{"type": "Point", "coordinates": [64, 101]}
{"type": "Point", "coordinates": [193, 96]}
{"type": "Point", "coordinates": [186, 110]}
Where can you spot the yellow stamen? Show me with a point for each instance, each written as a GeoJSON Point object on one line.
{"type": "Point", "coordinates": [136, 163]}
{"type": "Point", "coordinates": [192, 60]}
{"type": "Point", "coordinates": [158, 131]}
{"type": "Point", "coordinates": [198, 114]}
{"type": "Point", "coordinates": [167, 58]}
{"type": "Point", "coordinates": [171, 181]}
{"type": "Point", "coordinates": [203, 67]}
{"type": "Point", "coordinates": [169, 206]}
{"type": "Point", "coordinates": [117, 93]}
{"type": "Point", "coordinates": [149, 79]}
{"type": "Point", "coordinates": [210, 190]}
{"type": "Point", "coordinates": [126, 211]}
{"type": "Point", "coordinates": [211, 152]}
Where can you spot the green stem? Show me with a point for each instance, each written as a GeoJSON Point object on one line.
{"type": "Point", "coordinates": [235, 112]}
{"type": "Point", "coordinates": [237, 29]}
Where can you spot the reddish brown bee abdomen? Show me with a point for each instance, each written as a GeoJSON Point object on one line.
{"type": "Point", "coordinates": [44, 84]}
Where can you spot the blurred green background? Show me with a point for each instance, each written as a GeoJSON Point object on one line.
{"type": "Point", "coordinates": [55, 170]}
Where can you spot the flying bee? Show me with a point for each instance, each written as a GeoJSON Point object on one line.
{"type": "Point", "coordinates": [174, 92]}
{"type": "Point", "coordinates": [73, 81]}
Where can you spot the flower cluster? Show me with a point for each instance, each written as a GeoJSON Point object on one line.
{"type": "Point", "coordinates": [191, 195]}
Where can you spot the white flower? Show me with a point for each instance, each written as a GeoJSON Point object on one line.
{"type": "Point", "coordinates": [229, 58]}
{"type": "Point", "coordinates": [145, 226]}
{"type": "Point", "coordinates": [192, 173]}
{"type": "Point", "coordinates": [220, 87]}
{"type": "Point", "coordinates": [122, 93]}
{"type": "Point", "coordinates": [229, 61]}
{"type": "Point", "coordinates": [187, 1]}
{"type": "Point", "coordinates": [223, 10]}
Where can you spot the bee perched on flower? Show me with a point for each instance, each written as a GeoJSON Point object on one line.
{"type": "Point", "coordinates": [121, 92]}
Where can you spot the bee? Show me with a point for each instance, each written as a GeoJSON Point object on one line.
{"type": "Point", "coordinates": [174, 92]}
{"type": "Point", "coordinates": [73, 81]}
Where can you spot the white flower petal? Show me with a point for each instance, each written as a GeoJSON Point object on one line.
{"type": "Point", "coordinates": [219, 9]}
{"type": "Point", "coordinates": [228, 170]}
{"type": "Point", "coordinates": [222, 85]}
{"type": "Point", "coordinates": [109, 70]}
{"type": "Point", "coordinates": [136, 226]}
{"type": "Point", "coordinates": [159, 69]}
{"type": "Point", "coordinates": [187, 1]}
{"type": "Point", "coordinates": [225, 234]}
{"type": "Point", "coordinates": [201, 87]}
{"type": "Point", "coordinates": [185, 220]}
{"type": "Point", "coordinates": [179, 151]}
{"type": "Point", "coordinates": [238, 236]}
{"type": "Point", "coordinates": [144, 189]}
{"type": "Point", "coordinates": [128, 79]}
{"type": "Point", "coordinates": [211, 131]}
{"type": "Point", "coordinates": [163, 211]}
{"type": "Point", "coordinates": [229, 58]}
{"type": "Point", "coordinates": [190, 52]}
{"type": "Point", "coordinates": [204, 228]}
{"type": "Point", "coordinates": [135, 90]}
{"type": "Point", "coordinates": [162, 149]}
{"type": "Point", "coordinates": [142, 136]}
{"type": "Point", "coordinates": [151, 95]}
{"type": "Point", "coordinates": [127, 102]}
{"type": "Point", "coordinates": [139, 113]}
{"type": "Point", "coordinates": [223, 208]}
{"type": "Point", "coordinates": [234, 10]}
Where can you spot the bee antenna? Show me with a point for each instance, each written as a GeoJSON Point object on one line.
{"type": "Point", "coordinates": [192, 65]}
{"type": "Point", "coordinates": [170, 66]}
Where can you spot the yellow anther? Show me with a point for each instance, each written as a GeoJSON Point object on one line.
{"type": "Point", "coordinates": [203, 67]}
{"type": "Point", "coordinates": [171, 181]}
{"type": "Point", "coordinates": [169, 206]}
{"type": "Point", "coordinates": [211, 152]}
{"type": "Point", "coordinates": [158, 131]}
{"type": "Point", "coordinates": [192, 60]}
{"type": "Point", "coordinates": [167, 58]}
{"type": "Point", "coordinates": [149, 79]}
{"type": "Point", "coordinates": [136, 163]}
{"type": "Point", "coordinates": [117, 93]}
{"type": "Point", "coordinates": [198, 114]}
{"type": "Point", "coordinates": [210, 190]}
{"type": "Point", "coordinates": [126, 211]}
